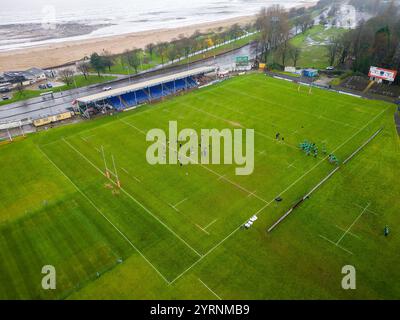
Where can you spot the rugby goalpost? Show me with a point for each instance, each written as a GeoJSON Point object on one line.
{"type": "Point", "coordinates": [298, 203]}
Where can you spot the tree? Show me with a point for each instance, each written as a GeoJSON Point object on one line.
{"type": "Point", "coordinates": [97, 63]}
{"type": "Point", "coordinates": [84, 68]}
{"type": "Point", "coordinates": [306, 22]}
{"type": "Point", "coordinates": [67, 76]}
{"type": "Point", "coordinates": [297, 24]}
{"type": "Point", "coordinates": [132, 58]}
{"type": "Point", "coordinates": [344, 50]}
{"type": "Point", "coordinates": [172, 52]}
{"type": "Point", "coordinates": [274, 28]}
{"type": "Point", "coordinates": [20, 90]}
{"type": "Point", "coordinates": [108, 60]}
{"type": "Point", "coordinates": [294, 54]}
{"type": "Point", "coordinates": [150, 49]}
{"type": "Point", "coordinates": [162, 48]}
{"type": "Point", "coordinates": [187, 46]}
{"type": "Point", "coordinates": [333, 50]}
{"type": "Point", "coordinates": [235, 31]}
{"type": "Point", "coordinates": [283, 51]}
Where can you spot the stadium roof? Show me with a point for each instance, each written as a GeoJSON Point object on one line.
{"type": "Point", "coordinates": [145, 84]}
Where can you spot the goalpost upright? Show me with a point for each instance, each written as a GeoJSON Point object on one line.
{"type": "Point", "coordinates": [105, 163]}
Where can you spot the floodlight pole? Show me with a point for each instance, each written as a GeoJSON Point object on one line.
{"type": "Point", "coordinates": [105, 163]}
{"type": "Point", "coordinates": [116, 173]}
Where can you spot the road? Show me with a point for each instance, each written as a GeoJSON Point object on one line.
{"type": "Point", "coordinates": [41, 107]}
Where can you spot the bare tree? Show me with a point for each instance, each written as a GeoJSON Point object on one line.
{"type": "Point", "coordinates": [67, 76]}
{"type": "Point", "coordinates": [294, 54]}
{"type": "Point", "coordinates": [306, 22]}
{"type": "Point", "coordinates": [333, 50]}
{"type": "Point", "coordinates": [20, 89]}
{"type": "Point", "coordinates": [274, 28]}
{"type": "Point", "coordinates": [84, 68]}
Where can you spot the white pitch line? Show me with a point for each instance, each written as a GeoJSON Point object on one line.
{"type": "Point", "coordinates": [202, 229]}
{"type": "Point", "coordinates": [134, 199]}
{"type": "Point", "coordinates": [104, 216]}
{"type": "Point", "coordinates": [354, 222]}
{"type": "Point", "coordinates": [210, 290]}
{"type": "Point", "coordinates": [180, 202]}
{"type": "Point", "coordinates": [350, 233]}
{"type": "Point", "coordinates": [335, 244]}
{"type": "Point", "coordinates": [292, 165]}
{"type": "Point", "coordinates": [127, 172]}
{"type": "Point", "coordinates": [368, 210]}
{"type": "Point", "coordinates": [172, 206]}
{"type": "Point", "coordinates": [210, 224]}
{"type": "Point", "coordinates": [131, 125]}
{"type": "Point", "coordinates": [252, 194]}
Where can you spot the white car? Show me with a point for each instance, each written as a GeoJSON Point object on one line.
{"type": "Point", "coordinates": [330, 68]}
{"type": "Point", "coordinates": [107, 88]}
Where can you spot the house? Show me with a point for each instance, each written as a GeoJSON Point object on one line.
{"type": "Point", "coordinates": [36, 73]}
{"type": "Point", "coordinates": [25, 78]}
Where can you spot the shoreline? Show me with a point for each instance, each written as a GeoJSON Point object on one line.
{"type": "Point", "coordinates": [67, 52]}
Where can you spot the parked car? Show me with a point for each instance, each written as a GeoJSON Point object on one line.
{"type": "Point", "coordinates": [49, 85]}
{"type": "Point", "coordinates": [42, 86]}
{"type": "Point", "coordinates": [4, 90]}
{"type": "Point", "coordinates": [330, 68]}
{"type": "Point", "coordinates": [4, 97]}
{"type": "Point", "coordinates": [107, 88]}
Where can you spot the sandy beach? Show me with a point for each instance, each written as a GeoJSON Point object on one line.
{"type": "Point", "coordinates": [69, 51]}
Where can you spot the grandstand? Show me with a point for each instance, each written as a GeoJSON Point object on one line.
{"type": "Point", "coordinates": [142, 92]}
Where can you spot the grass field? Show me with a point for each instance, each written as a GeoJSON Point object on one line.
{"type": "Point", "coordinates": [174, 232]}
{"type": "Point", "coordinates": [312, 43]}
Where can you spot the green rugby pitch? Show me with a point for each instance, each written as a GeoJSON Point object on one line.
{"type": "Point", "coordinates": [175, 232]}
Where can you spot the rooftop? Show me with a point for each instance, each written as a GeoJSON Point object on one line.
{"type": "Point", "coordinates": [145, 84]}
